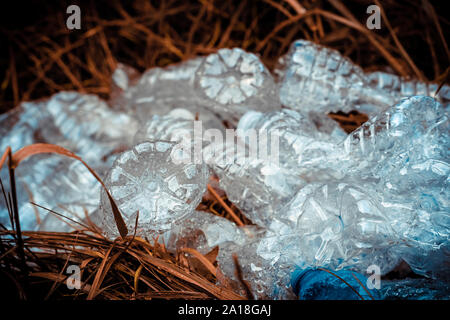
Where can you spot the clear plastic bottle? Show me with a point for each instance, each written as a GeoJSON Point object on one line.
{"type": "Point", "coordinates": [234, 81]}
{"type": "Point", "coordinates": [123, 78]}
{"type": "Point", "coordinates": [300, 142]}
{"type": "Point", "coordinates": [87, 126]}
{"type": "Point", "coordinates": [258, 187]}
{"type": "Point", "coordinates": [175, 126]}
{"type": "Point", "coordinates": [411, 121]}
{"type": "Point", "coordinates": [227, 83]}
{"type": "Point", "coordinates": [340, 224]}
{"type": "Point", "coordinates": [146, 179]}
{"type": "Point", "coordinates": [262, 261]}
{"type": "Point", "coordinates": [49, 181]}
{"type": "Point", "coordinates": [22, 125]}
{"type": "Point", "coordinates": [389, 202]}
{"type": "Point", "coordinates": [159, 90]}
{"type": "Point", "coordinates": [262, 183]}
{"type": "Point", "coordinates": [402, 154]}
{"type": "Point", "coordinates": [316, 78]}
{"type": "Point", "coordinates": [202, 231]}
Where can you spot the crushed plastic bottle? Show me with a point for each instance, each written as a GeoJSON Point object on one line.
{"type": "Point", "coordinates": [87, 126]}
{"type": "Point", "coordinates": [318, 284]}
{"type": "Point", "coordinates": [50, 182]}
{"type": "Point", "coordinates": [316, 78]}
{"type": "Point", "coordinates": [299, 140]}
{"type": "Point", "coordinates": [146, 179]}
{"type": "Point", "coordinates": [390, 203]}
{"type": "Point", "coordinates": [327, 126]}
{"type": "Point", "coordinates": [326, 225]}
{"type": "Point", "coordinates": [341, 225]}
{"type": "Point", "coordinates": [203, 231]}
{"type": "Point", "coordinates": [123, 78]}
{"type": "Point", "coordinates": [227, 83]}
{"type": "Point", "coordinates": [159, 90]}
{"type": "Point", "coordinates": [177, 126]}
{"type": "Point", "coordinates": [419, 122]}
{"type": "Point", "coordinates": [257, 184]}
{"type": "Point", "coordinates": [268, 278]}
{"type": "Point", "coordinates": [397, 88]}
{"type": "Point", "coordinates": [403, 155]}
{"type": "Point", "coordinates": [22, 125]}
{"type": "Point", "coordinates": [81, 123]}
{"type": "Point", "coordinates": [234, 81]}
{"type": "Point", "coordinates": [258, 187]}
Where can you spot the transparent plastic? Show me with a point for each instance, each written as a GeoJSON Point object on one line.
{"type": "Point", "coordinates": [145, 179]}
{"type": "Point", "coordinates": [316, 78]}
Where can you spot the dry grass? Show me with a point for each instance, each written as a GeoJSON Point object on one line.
{"type": "Point", "coordinates": [129, 268]}
{"type": "Point", "coordinates": [42, 57]}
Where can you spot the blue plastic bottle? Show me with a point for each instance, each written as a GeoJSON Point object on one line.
{"type": "Point", "coordinates": [318, 284]}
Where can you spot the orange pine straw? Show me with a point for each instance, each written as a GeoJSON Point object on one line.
{"type": "Point", "coordinates": [225, 206]}
{"type": "Point", "coordinates": [201, 258]}
{"type": "Point", "coordinates": [4, 156]}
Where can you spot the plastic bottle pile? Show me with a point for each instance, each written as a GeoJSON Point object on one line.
{"type": "Point", "coordinates": [341, 202]}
